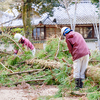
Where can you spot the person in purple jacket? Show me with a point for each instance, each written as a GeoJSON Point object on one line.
{"type": "Point", "coordinates": [25, 42]}
{"type": "Point", "coordinates": [80, 54]}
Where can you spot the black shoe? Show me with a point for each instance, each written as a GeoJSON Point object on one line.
{"type": "Point", "coordinates": [81, 83]}
{"type": "Point", "coordinates": [77, 82]}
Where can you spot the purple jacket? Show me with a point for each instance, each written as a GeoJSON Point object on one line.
{"type": "Point", "coordinates": [27, 43]}
{"type": "Point", "coordinates": [76, 45]}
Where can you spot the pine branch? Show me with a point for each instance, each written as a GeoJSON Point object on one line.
{"type": "Point", "coordinates": [6, 68]}
{"type": "Point", "coordinates": [69, 65]}
{"type": "Point", "coordinates": [38, 71]}
{"type": "Point", "coordinates": [12, 40]}
{"type": "Point", "coordinates": [30, 71]}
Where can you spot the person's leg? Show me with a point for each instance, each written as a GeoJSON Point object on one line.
{"type": "Point", "coordinates": [76, 73]}
{"type": "Point", "coordinates": [33, 52]}
{"type": "Point", "coordinates": [85, 60]}
{"type": "Point", "coordinates": [76, 67]}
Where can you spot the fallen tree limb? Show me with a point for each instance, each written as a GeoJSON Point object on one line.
{"type": "Point", "coordinates": [35, 80]}
{"type": "Point", "coordinates": [69, 65]}
{"type": "Point", "coordinates": [93, 73]}
{"type": "Point", "coordinates": [9, 70]}
{"type": "Point", "coordinates": [44, 63]}
{"type": "Point", "coordinates": [30, 71]}
{"type": "Point", "coordinates": [94, 61]}
{"type": "Point", "coordinates": [38, 71]}
{"type": "Point", "coordinates": [77, 94]}
{"type": "Point", "coordinates": [41, 76]}
{"type": "Point", "coordinates": [47, 56]}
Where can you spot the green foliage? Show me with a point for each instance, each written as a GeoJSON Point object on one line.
{"type": "Point", "coordinates": [94, 96]}
{"type": "Point", "coordinates": [58, 76]}
{"type": "Point", "coordinates": [44, 98]}
{"type": "Point", "coordinates": [51, 49]}
{"type": "Point", "coordinates": [4, 29]}
{"type": "Point", "coordinates": [92, 89]}
{"type": "Point", "coordinates": [2, 78]}
{"type": "Point", "coordinates": [27, 55]}
{"type": "Point", "coordinates": [17, 30]}
{"type": "Point", "coordinates": [46, 6]}
{"type": "Point", "coordinates": [12, 60]}
{"type": "Point", "coordinates": [94, 1]}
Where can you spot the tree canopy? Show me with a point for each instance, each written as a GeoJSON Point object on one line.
{"type": "Point", "coordinates": [29, 8]}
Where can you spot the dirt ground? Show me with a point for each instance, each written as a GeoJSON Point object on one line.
{"type": "Point", "coordinates": [26, 92]}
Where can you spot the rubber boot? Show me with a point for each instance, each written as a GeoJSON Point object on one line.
{"type": "Point", "coordinates": [77, 83]}
{"type": "Point", "coordinates": [81, 83]}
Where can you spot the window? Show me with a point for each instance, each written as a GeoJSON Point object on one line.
{"type": "Point", "coordinates": [87, 32]}
{"type": "Point", "coordinates": [38, 33]}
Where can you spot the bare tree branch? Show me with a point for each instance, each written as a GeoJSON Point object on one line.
{"type": "Point", "coordinates": [10, 20]}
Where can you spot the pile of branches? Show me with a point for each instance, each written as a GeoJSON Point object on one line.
{"type": "Point", "coordinates": [50, 66]}
{"type": "Point", "coordinates": [15, 69]}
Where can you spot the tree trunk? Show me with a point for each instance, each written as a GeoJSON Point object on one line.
{"type": "Point", "coordinates": [26, 12]}
{"type": "Point", "coordinates": [24, 16]}
{"type": "Point", "coordinates": [45, 63]}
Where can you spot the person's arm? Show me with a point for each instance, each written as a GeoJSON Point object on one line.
{"type": "Point", "coordinates": [69, 46]}
{"type": "Point", "coordinates": [15, 51]}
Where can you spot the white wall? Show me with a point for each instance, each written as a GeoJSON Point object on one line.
{"type": "Point", "coordinates": [91, 45]}
{"type": "Point", "coordinates": [3, 47]}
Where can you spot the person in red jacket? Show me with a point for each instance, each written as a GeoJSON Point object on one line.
{"type": "Point", "coordinates": [25, 42]}
{"type": "Point", "coordinates": [80, 54]}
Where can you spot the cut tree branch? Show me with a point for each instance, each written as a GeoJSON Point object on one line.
{"type": "Point", "coordinates": [12, 40]}
{"type": "Point", "coordinates": [6, 68]}
{"type": "Point", "coordinates": [44, 63]}
{"type": "Point", "coordinates": [35, 80]}
{"type": "Point", "coordinates": [30, 71]}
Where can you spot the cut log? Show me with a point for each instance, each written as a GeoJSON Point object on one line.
{"type": "Point", "coordinates": [45, 63]}
{"type": "Point", "coordinates": [93, 73]}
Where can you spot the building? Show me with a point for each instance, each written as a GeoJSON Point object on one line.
{"type": "Point", "coordinates": [86, 18]}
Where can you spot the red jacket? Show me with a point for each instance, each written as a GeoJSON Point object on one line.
{"type": "Point", "coordinates": [27, 43]}
{"type": "Point", "coordinates": [76, 45]}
